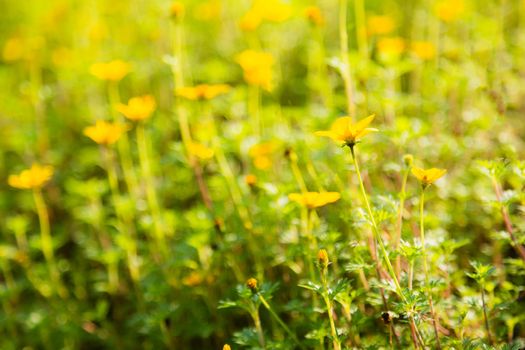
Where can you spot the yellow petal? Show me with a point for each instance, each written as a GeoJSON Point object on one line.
{"type": "Point", "coordinates": [341, 125]}
{"type": "Point", "coordinates": [363, 123]}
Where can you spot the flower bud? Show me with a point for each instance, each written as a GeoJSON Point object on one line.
{"type": "Point", "coordinates": [408, 159]}
{"type": "Point", "coordinates": [177, 10]}
{"type": "Point", "coordinates": [252, 284]}
{"type": "Point", "coordinates": [322, 258]}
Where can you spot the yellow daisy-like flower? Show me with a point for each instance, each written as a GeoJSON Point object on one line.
{"type": "Point", "coordinates": [272, 10]}
{"type": "Point", "coordinates": [177, 10]}
{"type": "Point", "coordinates": [202, 92]}
{"type": "Point", "coordinates": [391, 46]}
{"type": "Point", "coordinates": [257, 67]}
{"type": "Point", "coordinates": [313, 200]}
{"type": "Point", "coordinates": [14, 49]}
{"type": "Point", "coordinates": [346, 133]}
{"type": "Point", "coordinates": [250, 21]}
{"type": "Point", "coordinates": [200, 151]}
{"type": "Point", "coordinates": [379, 25]}
{"type": "Point", "coordinates": [424, 50]}
{"type": "Point", "coordinates": [105, 133]}
{"type": "Point", "coordinates": [114, 70]}
{"type": "Point", "coordinates": [449, 10]}
{"type": "Point", "coordinates": [138, 108]}
{"type": "Point", "coordinates": [261, 153]}
{"type": "Point", "coordinates": [34, 177]}
{"type": "Point", "coordinates": [314, 15]}
{"type": "Point", "coordinates": [428, 176]}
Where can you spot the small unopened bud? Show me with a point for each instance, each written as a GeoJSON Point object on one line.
{"type": "Point", "coordinates": [322, 258]}
{"type": "Point", "coordinates": [250, 180]}
{"type": "Point", "coordinates": [408, 159]}
{"type": "Point", "coordinates": [226, 347]}
{"type": "Point", "coordinates": [252, 284]}
{"type": "Point", "coordinates": [177, 10]}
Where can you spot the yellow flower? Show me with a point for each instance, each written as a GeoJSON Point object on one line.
{"type": "Point", "coordinates": [105, 133]}
{"type": "Point", "coordinates": [250, 179]}
{"type": "Point", "coordinates": [226, 347]}
{"type": "Point", "coordinates": [391, 46]}
{"type": "Point", "coordinates": [314, 15]}
{"type": "Point", "coordinates": [378, 25]}
{"type": "Point", "coordinates": [138, 108]}
{"type": "Point", "coordinates": [425, 50]}
{"type": "Point", "coordinates": [257, 67]}
{"type": "Point", "coordinates": [346, 133]}
{"type": "Point", "coordinates": [272, 10]}
{"type": "Point", "coordinates": [250, 21]}
{"type": "Point", "coordinates": [202, 92]}
{"type": "Point", "coordinates": [313, 200]}
{"type": "Point", "coordinates": [177, 10]}
{"type": "Point", "coordinates": [14, 50]}
{"type": "Point", "coordinates": [35, 177]}
{"type": "Point", "coordinates": [114, 70]}
{"type": "Point", "coordinates": [261, 154]}
{"type": "Point", "coordinates": [200, 151]}
{"type": "Point", "coordinates": [428, 176]}
{"type": "Point", "coordinates": [449, 10]}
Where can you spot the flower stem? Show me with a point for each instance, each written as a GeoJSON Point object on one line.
{"type": "Point", "coordinates": [487, 327]}
{"type": "Point", "coordinates": [375, 228]}
{"type": "Point", "coordinates": [258, 327]}
{"type": "Point", "coordinates": [123, 145]}
{"type": "Point", "coordinates": [279, 320]}
{"type": "Point", "coordinates": [399, 222]}
{"type": "Point", "coordinates": [425, 266]}
{"type": "Point", "coordinates": [47, 241]}
{"type": "Point", "coordinates": [345, 70]}
{"type": "Point", "coordinates": [335, 337]}
{"type": "Point", "coordinates": [151, 194]}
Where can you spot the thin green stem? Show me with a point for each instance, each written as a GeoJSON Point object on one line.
{"type": "Point", "coordinates": [425, 265]}
{"type": "Point", "coordinates": [47, 242]}
{"type": "Point", "coordinates": [399, 222]}
{"type": "Point", "coordinates": [258, 327]}
{"type": "Point", "coordinates": [485, 316]}
{"type": "Point", "coordinates": [279, 320]}
{"type": "Point", "coordinates": [328, 303]}
{"type": "Point", "coordinates": [151, 193]}
{"type": "Point", "coordinates": [345, 69]}
{"type": "Point", "coordinates": [375, 229]}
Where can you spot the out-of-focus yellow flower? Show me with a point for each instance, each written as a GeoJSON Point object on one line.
{"type": "Point", "coordinates": [105, 133]}
{"type": "Point", "coordinates": [202, 92]}
{"type": "Point", "coordinates": [250, 179]}
{"type": "Point", "coordinates": [113, 70]}
{"type": "Point", "coordinates": [391, 46]}
{"type": "Point", "coordinates": [313, 200]}
{"type": "Point", "coordinates": [272, 10]}
{"type": "Point", "coordinates": [379, 25]}
{"type": "Point", "coordinates": [14, 50]}
{"type": "Point", "coordinates": [138, 108]}
{"type": "Point", "coordinates": [428, 176]}
{"type": "Point", "coordinates": [261, 154]}
{"type": "Point", "coordinates": [424, 50]}
{"type": "Point", "coordinates": [257, 67]}
{"type": "Point", "coordinates": [226, 347]}
{"type": "Point", "coordinates": [209, 10]}
{"type": "Point", "coordinates": [177, 10]}
{"type": "Point", "coordinates": [32, 178]}
{"type": "Point", "coordinates": [322, 258]}
{"type": "Point", "coordinates": [314, 15]}
{"type": "Point", "coordinates": [250, 21]}
{"type": "Point", "coordinates": [264, 10]}
{"type": "Point", "coordinates": [346, 133]}
{"type": "Point", "coordinates": [200, 151]}
{"type": "Point", "coordinates": [193, 279]}
{"type": "Point", "coordinates": [449, 10]}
